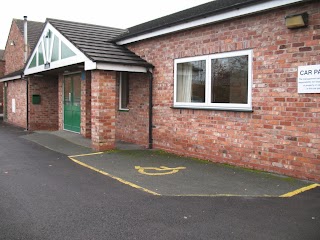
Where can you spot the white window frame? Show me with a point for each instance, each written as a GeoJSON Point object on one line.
{"type": "Point", "coordinates": [207, 104]}
{"type": "Point", "coordinates": [120, 92]}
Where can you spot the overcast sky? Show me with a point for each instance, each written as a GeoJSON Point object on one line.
{"type": "Point", "coordinates": [116, 13]}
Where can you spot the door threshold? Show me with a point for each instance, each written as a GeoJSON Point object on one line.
{"type": "Point", "coordinates": [70, 131]}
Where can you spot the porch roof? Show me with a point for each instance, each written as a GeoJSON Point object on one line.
{"type": "Point", "coordinates": [96, 42]}
{"type": "Point", "coordinates": [12, 76]}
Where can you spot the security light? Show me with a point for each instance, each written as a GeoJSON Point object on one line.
{"type": "Point", "coordinates": [297, 20]}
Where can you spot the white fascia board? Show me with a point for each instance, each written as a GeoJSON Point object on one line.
{"type": "Point", "coordinates": [54, 65]}
{"type": "Point", "coordinates": [216, 18]}
{"type": "Point", "coordinates": [78, 58]}
{"type": "Point", "coordinates": [10, 78]}
{"type": "Point", "coordinates": [121, 68]}
{"type": "Point", "coordinates": [90, 65]}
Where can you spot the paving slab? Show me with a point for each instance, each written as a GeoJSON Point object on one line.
{"type": "Point", "coordinates": [171, 175]}
{"type": "Point", "coordinates": [57, 143]}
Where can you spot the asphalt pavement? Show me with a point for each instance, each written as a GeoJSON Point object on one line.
{"type": "Point", "coordinates": [45, 195]}
{"type": "Point", "coordinates": [165, 174]}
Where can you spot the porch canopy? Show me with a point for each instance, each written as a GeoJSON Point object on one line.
{"type": "Point", "coordinates": [64, 43]}
{"type": "Point", "coordinates": [66, 46]}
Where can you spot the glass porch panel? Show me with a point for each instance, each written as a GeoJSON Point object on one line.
{"type": "Point", "coordinates": [66, 51]}
{"type": "Point", "coordinates": [40, 55]}
{"type": "Point", "coordinates": [33, 61]}
{"type": "Point", "coordinates": [55, 49]}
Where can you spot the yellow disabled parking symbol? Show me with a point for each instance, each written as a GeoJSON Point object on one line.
{"type": "Point", "coordinates": [154, 171]}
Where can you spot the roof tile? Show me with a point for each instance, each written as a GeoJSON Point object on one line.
{"type": "Point", "coordinates": [190, 14]}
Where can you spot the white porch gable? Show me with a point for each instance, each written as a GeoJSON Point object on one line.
{"type": "Point", "coordinates": [53, 51]}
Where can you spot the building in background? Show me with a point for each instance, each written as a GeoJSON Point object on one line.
{"type": "Point", "coordinates": [15, 56]}
{"type": "Point", "coordinates": [2, 62]}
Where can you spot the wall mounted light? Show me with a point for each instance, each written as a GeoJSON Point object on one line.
{"type": "Point", "coordinates": [47, 65]}
{"type": "Point", "coordinates": [12, 43]}
{"type": "Point", "coordinates": [297, 20]}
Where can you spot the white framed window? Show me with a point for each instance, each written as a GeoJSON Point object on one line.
{"type": "Point", "coordinates": [124, 91]}
{"type": "Point", "coordinates": [220, 81]}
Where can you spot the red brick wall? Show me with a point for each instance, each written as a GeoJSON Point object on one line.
{"type": "Point", "coordinates": [60, 101]}
{"type": "Point", "coordinates": [43, 116]}
{"type": "Point", "coordinates": [103, 109]}
{"type": "Point", "coordinates": [17, 90]}
{"type": "Point", "coordinates": [86, 106]}
{"type": "Point", "coordinates": [1, 98]}
{"type": "Point", "coordinates": [282, 134]}
{"type": "Point", "coordinates": [14, 54]}
{"type": "Point", "coordinates": [132, 125]}
{"type": "Point", "coordinates": [2, 69]}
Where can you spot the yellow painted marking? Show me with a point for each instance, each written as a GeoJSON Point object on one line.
{"type": "Point", "coordinates": [166, 170]}
{"type": "Point", "coordinates": [87, 154]}
{"type": "Point", "coordinates": [114, 177]}
{"type": "Point", "coordinates": [222, 195]}
{"type": "Point", "coordinates": [160, 171]}
{"type": "Point", "coordinates": [300, 190]}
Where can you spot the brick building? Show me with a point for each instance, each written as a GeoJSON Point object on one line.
{"type": "Point", "coordinates": [14, 83]}
{"type": "Point", "coordinates": [2, 62]}
{"type": "Point", "coordinates": [225, 81]}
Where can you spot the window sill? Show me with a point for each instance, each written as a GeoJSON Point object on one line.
{"type": "Point", "coordinates": [214, 108]}
{"type": "Point", "coordinates": [123, 110]}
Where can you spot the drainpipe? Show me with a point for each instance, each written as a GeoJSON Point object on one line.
{"type": "Point", "coordinates": [25, 33]}
{"type": "Point", "coordinates": [150, 109]}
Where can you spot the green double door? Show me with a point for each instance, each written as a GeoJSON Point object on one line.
{"type": "Point", "coordinates": [72, 97]}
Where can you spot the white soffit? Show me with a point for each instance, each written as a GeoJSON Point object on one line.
{"type": "Point", "coordinates": [216, 18]}
{"type": "Point", "coordinates": [121, 68]}
{"type": "Point", "coordinates": [89, 65]}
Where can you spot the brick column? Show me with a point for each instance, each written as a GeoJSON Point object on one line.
{"type": "Point", "coordinates": [86, 106]}
{"type": "Point", "coordinates": [103, 109]}
{"type": "Point", "coordinates": [60, 101]}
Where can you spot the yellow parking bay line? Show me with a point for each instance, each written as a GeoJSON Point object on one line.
{"type": "Point", "coordinates": [110, 175]}
{"type": "Point", "coordinates": [224, 195]}
{"type": "Point", "coordinates": [86, 154]}
{"type": "Point", "coordinates": [300, 190]}
{"type": "Point", "coordinates": [286, 195]}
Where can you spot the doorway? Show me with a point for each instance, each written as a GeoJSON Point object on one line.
{"type": "Point", "coordinates": [72, 97]}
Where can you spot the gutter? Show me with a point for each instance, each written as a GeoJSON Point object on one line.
{"type": "Point", "coordinates": [5, 79]}
{"type": "Point", "coordinates": [228, 13]}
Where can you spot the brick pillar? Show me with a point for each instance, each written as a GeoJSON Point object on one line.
{"type": "Point", "coordinates": [60, 101]}
{"type": "Point", "coordinates": [103, 109]}
{"type": "Point", "coordinates": [86, 106]}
